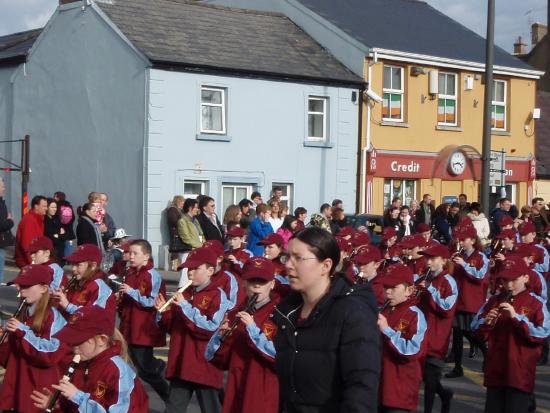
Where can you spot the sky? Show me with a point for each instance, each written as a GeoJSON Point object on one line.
{"type": "Point", "coordinates": [513, 17]}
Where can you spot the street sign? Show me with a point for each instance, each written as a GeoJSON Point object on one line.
{"type": "Point", "coordinates": [497, 176]}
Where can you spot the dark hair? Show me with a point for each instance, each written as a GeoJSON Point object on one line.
{"type": "Point", "coordinates": [464, 195]}
{"type": "Point", "coordinates": [204, 201]}
{"type": "Point", "coordinates": [289, 219]}
{"type": "Point", "coordinates": [336, 202]}
{"type": "Point", "coordinates": [321, 244]}
{"type": "Point", "coordinates": [535, 200]}
{"type": "Point", "coordinates": [323, 207]}
{"type": "Point", "coordinates": [441, 210]}
{"type": "Point", "coordinates": [51, 201]}
{"type": "Point", "coordinates": [404, 207]}
{"type": "Point", "coordinates": [396, 198]}
{"type": "Point", "coordinates": [503, 199]}
{"type": "Point", "coordinates": [336, 212]}
{"type": "Point", "coordinates": [393, 209]}
{"type": "Point", "coordinates": [475, 206]}
{"type": "Point", "coordinates": [189, 204]}
{"type": "Point", "coordinates": [455, 205]}
{"type": "Point", "coordinates": [37, 199]}
{"type": "Point", "coordinates": [86, 207]}
{"type": "Point", "coordinates": [255, 194]}
{"type": "Point", "coordinates": [244, 203]}
{"type": "Point", "coordinates": [60, 196]}
{"type": "Point", "coordinates": [144, 245]}
{"type": "Point", "coordinates": [300, 210]}
{"type": "Point", "coordinates": [276, 188]}
{"type": "Point", "coordinates": [262, 208]}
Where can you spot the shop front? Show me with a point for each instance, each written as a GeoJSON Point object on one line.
{"type": "Point", "coordinates": [443, 175]}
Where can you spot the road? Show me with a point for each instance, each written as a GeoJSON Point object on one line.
{"type": "Point", "coordinates": [469, 391]}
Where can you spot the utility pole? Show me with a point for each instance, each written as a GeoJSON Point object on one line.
{"type": "Point", "coordinates": [487, 108]}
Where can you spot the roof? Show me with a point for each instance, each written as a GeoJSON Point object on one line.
{"type": "Point", "coordinates": [542, 135]}
{"type": "Point", "coordinates": [14, 47]}
{"type": "Point", "coordinates": [179, 32]}
{"type": "Point", "coordinates": [408, 26]}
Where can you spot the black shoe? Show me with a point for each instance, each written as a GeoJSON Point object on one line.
{"type": "Point", "coordinates": [446, 398]}
{"type": "Point", "coordinates": [454, 373]}
{"type": "Point", "coordinates": [542, 361]}
{"type": "Point", "coordinates": [473, 352]}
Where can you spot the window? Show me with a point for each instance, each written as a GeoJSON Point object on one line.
{"type": "Point", "coordinates": [447, 103]}
{"type": "Point", "coordinates": [402, 188]}
{"type": "Point", "coordinates": [232, 194]}
{"type": "Point", "coordinates": [192, 189]}
{"type": "Point", "coordinates": [288, 194]}
{"type": "Point", "coordinates": [317, 112]}
{"type": "Point", "coordinates": [498, 108]}
{"type": "Point", "coordinates": [392, 106]}
{"type": "Point", "coordinates": [213, 110]}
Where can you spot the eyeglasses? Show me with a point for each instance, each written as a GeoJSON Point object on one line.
{"type": "Point", "coordinates": [284, 258]}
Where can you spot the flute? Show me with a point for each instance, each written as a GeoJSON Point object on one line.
{"type": "Point", "coordinates": [248, 309]}
{"type": "Point", "coordinates": [22, 306]}
{"type": "Point", "coordinates": [384, 306]}
{"type": "Point", "coordinates": [68, 376]}
{"type": "Point", "coordinates": [169, 302]}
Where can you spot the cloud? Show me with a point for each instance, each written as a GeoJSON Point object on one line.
{"type": "Point", "coordinates": [21, 15]}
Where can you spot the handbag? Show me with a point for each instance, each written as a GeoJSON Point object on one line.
{"type": "Point", "coordinates": [177, 245]}
{"type": "Point", "coordinates": [6, 239]}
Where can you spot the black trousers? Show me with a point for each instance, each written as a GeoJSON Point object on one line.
{"type": "Point", "coordinates": [383, 409]}
{"type": "Point", "coordinates": [149, 368]}
{"type": "Point", "coordinates": [507, 400]}
{"type": "Point", "coordinates": [181, 392]}
{"type": "Point", "coordinates": [458, 344]}
{"type": "Point", "coordinates": [433, 369]}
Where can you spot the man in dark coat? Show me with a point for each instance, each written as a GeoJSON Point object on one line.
{"type": "Point", "coordinates": [211, 227]}
{"type": "Point", "coordinates": [426, 211]}
{"type": "Point", "coordinates": [6, 224]}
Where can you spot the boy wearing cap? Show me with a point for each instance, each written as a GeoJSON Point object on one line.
{"type": "Point", "coordinates": [273, 251]}
{"type": "Point", "coordinates": [31, 354]}
{"type": "Point", "coordinates": [102, 381]}
{"type": "Point", "coordinates": [507, 242]}
{"type": "Point", "coordinates": [438, 303]}
{"type": "Point", "coordinates": [403, 327]}
{"type": "Point", "coordinates": [366, 264]}
{"type": "Point", "coordinates": [248, 352]}
{"type": "Point", "coordinates": [470, 273]}
{"type": "Point", "coordinates": [528, 235]}
{"type": "Point", "coordinates": [236, 256]}
{"type": "Point", "coordinates": [191, 320]}
{"type": "Point", "coordinates": [41, 252]}
{"type": "Point", "coordinates": [138, 324]}
{"type": "Point", "coordinates": [537, 283]}
{"type": "Point", "coordinates": [411, 246]}
{"type": "Point", "coordinates": [388, 247]}
{"type": "Point", "coordinates": [514, 323]}
{"type": "Point", "coordinates": [223, 278]}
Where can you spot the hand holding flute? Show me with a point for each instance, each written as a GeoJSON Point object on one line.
{"type": "Point", "coordinates": [162, 305]}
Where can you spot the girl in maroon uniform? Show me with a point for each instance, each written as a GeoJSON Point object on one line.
{"type": "Point", "coordinates": [248, 352]}
{"type": "Point", "coordinates": [41, 251]}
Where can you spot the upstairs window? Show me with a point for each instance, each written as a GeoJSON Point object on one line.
{"type": "Point", "coordinates": [447, 100]}
{"type": "Point", "coordinates": [498, 105]}
{"type": "Point", "coordinates": [317, 113]}
{"type": "Point", "coordinates": [213, 109]}
{"type": "Point", "coordinates": [392, 106]}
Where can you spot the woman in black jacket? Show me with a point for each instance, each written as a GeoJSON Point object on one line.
{"type": "Point", "coordinates": [87, 231]}
{"type": "Point", "coordinates": [53, 230]}
{"type": "Point", "coordinates": [328, 354]}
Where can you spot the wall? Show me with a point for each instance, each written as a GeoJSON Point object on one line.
{"type": "Point", "coordinates": [267, 123]}
{"type": "Point", "coordinates": [82, 101]}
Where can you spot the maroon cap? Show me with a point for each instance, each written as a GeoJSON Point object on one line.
{"type": "Point", "coordinates": [259, 268]}
{"type": "Point", "coordinates": [436, 250]}
{"type": "Point", "coordinates": [344, 244]}
{"type": "Point", "coordinates": [125, 246]}
{"type": "Point", "coordinates": [235, 232]}
{"type": "Point", "coordinates": [526, 227]}
{"type": "Point", "coordinates": [85, 252]}
{"type": "Point", "coordinates": [87, 322]}
{"type": "Point", "coordinates": [388, 232]}
{"type": "Point", "coordinates": [505, 220]}
{"type": "Point", "coordinates": [397, 274]}
{"type": "Point", "coordinates": [346, 232]}
{"type": "Point", "coordinates": [466, 232]}
{"type": "Point", "coordinates": [200, 256]}
{"type": "Point", "coordinates": [215, 246]}
{"type": "Point", "coordinates": [367, 254]}
{"type": "Point", "coordinates": [33, 274]}
{"type": "Point", "coordinates": [40, 243]}
{"type": "Point", "coordinates": [422, 227]}
{"type": "Point", "coordinates": [272, 239]}
{"type": "Point", "coordinates": [513, 267]}
{"type": "Point", "coordinates": [412, 241]}
{"type": "Point", "coordinates": [507, 233]}
{"type": "Point", "coordinates": [359, 238]}
{"type": "Point", "coordinates": [530, 250]}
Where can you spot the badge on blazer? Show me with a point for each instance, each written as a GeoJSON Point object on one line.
{"type": "Point", "coordinates": [142, 287]}
{"type": "Point", "coordinates": [402, 325]}
{"type": "Point", "coordinates": [524, 311]}
{"type": "Point", "coordinates": [205, 302]}
{"type": "Point", "coordinates": [82, 298]}
{"type": "Point", "coordinates": [268, 328]}
{"type": "Point", "coordinates": [100, 390]}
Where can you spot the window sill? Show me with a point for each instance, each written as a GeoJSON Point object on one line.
{"type": "Point", "coordinates": [318, 144]}
{"type": "Point", "coordinates": [449, 128]}
{"type": "Point", "coordinates": [396, 124]}
{"type": "Point", "coordinates": [500, 133]}
{"type": "Point", "coordinates": [213, 137]}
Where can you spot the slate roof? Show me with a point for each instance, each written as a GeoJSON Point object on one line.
{"type": "Point", "coordinates": [178, 32]}
{"type": "Point", "coordinates": [542, 135]}
{"type": "Point", "coordinates": [409, 26]}
{"type": "Point", "coordinates": [14, 47]}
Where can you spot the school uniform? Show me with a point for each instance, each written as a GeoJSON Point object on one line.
{"type": "Point", "coordinates": [242, 255]}
{"type": "Point", "coordinates": [94, 292]}
{"type": "Point", "coordinates": [229, 284]}
{"type": "Point", "coordinates": [139, 327]}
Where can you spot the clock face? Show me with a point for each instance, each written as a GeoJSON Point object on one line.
{"type": "Point", "coordinates": [457, 163]}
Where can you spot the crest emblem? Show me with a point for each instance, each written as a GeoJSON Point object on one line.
{"type": "Point", "coordinates": [82, 298]}
{"type": "Point", "coordinates": [142, 287]}
{"type": "Point", "coordinates": [204, 302]}
{"type": "Point", "coordinates": [100, 390]}
{"type": "Point", "coordinates": [525, 311]}
{"type": "Point", "coordinates": [269, 329]}
{"type": "Point", "coordinates": [402, 325]}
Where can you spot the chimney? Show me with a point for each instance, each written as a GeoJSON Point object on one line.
{"type": "Point", "coordinates": [520, 48]}
{"type": "Point", "coordinates": [538, 31]}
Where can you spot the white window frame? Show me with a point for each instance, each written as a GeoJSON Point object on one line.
{"type": "Point", "coordinates": [502, 104]}
{"type": "Point", "coordinates": [402, 185]}
{"type": "Point", "coordinates": [393, 91]}
{"type": "Point", "coordinates": [289, 197]}
{"type": "Point", "coordinates": [249, 188]}
{"type": "Point", "coordinates": [203, 184]}
{"type": "Point", "coordinates": [324, 113]}
{"type": "Point", "coordinates": [223, 92]}
{"type": "Point", "coordinates": [449, 97]}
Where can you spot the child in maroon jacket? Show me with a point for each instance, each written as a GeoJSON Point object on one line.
{"type": "Point", "coordinates": [102, 380]}
{"type": "Point", "coordinates": [515, 323]}
{"type": "Point", "coordinates": [274, 251]}
{"type": "Point", "coordinates": [31, 354]}
{"type": "Point", "coordinates": [438, 303]}
{"type": "Point", "coordinates": [41, 252]}
{"type": "Point", "coordinates": [138, 316]}
{"type": "Point", "coordinates": [403, 327]}
{"type": "Point", "coordinates": [191, 320]}
{"type": "Point", "coordinates": [248, 352]}
{"type": "Point", "coordinates": [367, 261]}
{"type": "Point", "coordinates": [236, 256]}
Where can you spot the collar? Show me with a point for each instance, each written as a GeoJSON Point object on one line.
{"type": "Point", "coordinates": [260, 304]}
{"type": "Point", "coordinates": [201, 287]}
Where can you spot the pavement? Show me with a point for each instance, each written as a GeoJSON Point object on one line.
{"type": "Point", "coordinates": [469, 393]}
